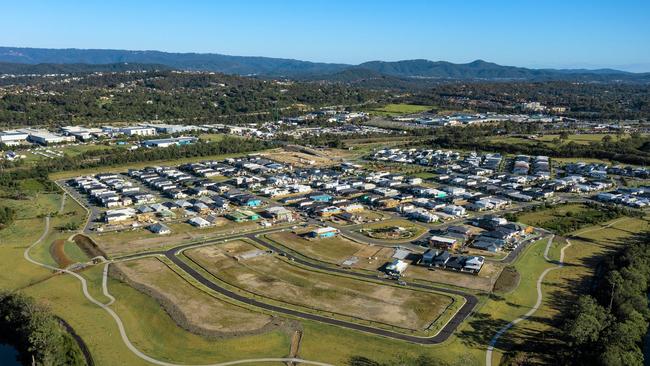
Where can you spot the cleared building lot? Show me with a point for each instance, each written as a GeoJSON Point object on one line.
{"type": "Point", "coordinates": [342, 251]}
{"type": "Point", "coordinates": [141, 239]}
{"type": "Point", "coordinates": [274, 277]}
{"type": "Point", "coordinates": [188, 305]}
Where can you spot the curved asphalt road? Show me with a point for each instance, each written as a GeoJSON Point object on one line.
{"type": "Point", "coordinates": [446, 332]}
{"type": "Point", "coordinates": [120, 324]}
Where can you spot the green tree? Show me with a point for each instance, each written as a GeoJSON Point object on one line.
{"type": "Point", "coordinates": [589, 321]}
{"type": "Point", "coordinates": [564, 135]}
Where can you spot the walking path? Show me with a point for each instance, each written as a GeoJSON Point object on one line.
{"type": "Point", "coordinates": [538, 303]}
{"type": "Point", "coordinates": [120, 324]}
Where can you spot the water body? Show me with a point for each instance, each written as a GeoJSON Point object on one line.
{"type": "Point", "coordinates": [8, 356]}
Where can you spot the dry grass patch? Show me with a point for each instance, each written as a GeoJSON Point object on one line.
{"type": "Point", "coordinates": [333, 250]}
{"type": "Point", "coordinates": [483, 281]}
{"type": "Point", "coordinates": [138, 240]}
{"type": "Point", "coordinates": [188, 304]}
{"type": "Point", "coordinates": [274, 278]}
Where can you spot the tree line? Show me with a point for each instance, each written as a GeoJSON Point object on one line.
{"type": "Point", "coordinates": [594, 213]}
{"type": "Point", "coordinates": [36, 333]}
{"type": "Point", "coordinates": [607, 325]}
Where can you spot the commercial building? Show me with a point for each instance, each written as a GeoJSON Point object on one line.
{"type": "Point", "coordinates": [82, 133]}
{"type": "Point", "coordinates": [179, 141]}
{"type": "Point", "coordinates": [45, 137]}
{"type": "Point", "coordinates": [169, 129]}
{"type": "Point", "coordinates": [138, 131]}
{"type": "Point", "coordinates": [13, 137]}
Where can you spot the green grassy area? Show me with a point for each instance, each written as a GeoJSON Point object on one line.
{"type": "Point", "coordinates": [75, 150]}
{"type": "Point", "coordinates": [212, 137]}
{"type": "Point", "coordinates": [562, 286]}
{"type": "Point", "coordinates": [581, 139]}
{"type": "Point", "coordinates": [38, 204]}
{"type": "Point", "coordinates": [379, 230]}
{"type": "Point", "coordinates": [564, 218]}
{"type": "Point", "coordinates": [540, 217]}
{"type": "Point", "coordinates": [398, 109]}
{"type": "Point", "coordinates": [332, 250]}
{"type": "Point", "coordinates": [154, 332]}
{"type": "Point", "coordinates": [148, 326]}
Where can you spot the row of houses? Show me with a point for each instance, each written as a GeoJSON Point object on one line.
{"type": "Point", "coordinates": [638, 197]}
{"type": "Point", "coordinates": [110, 190]}
{"type": "Point", "coordinates": [446, 260]}
{"type": "Point", "coordinates": [490, 233]}
{"type": "Point", "coordinates": [601, 170]}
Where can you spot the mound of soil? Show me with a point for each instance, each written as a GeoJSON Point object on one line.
{"type": "Point", "coordinates": [507, 281]}
{"type": "Point", "coordinates": [57, 250]}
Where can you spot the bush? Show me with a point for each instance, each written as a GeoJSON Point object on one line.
{"type": "Point", "coordinates": [36, 333]}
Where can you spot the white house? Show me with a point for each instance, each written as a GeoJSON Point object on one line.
{"type": "Point", "coordinates": [199, 222]}
{"type": "Point", "coordinates": [454, 210]}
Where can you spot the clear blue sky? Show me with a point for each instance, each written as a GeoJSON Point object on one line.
{"type": "Point", "coordinates": [541, 33]}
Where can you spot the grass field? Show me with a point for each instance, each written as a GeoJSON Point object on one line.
{"type": "Point", "coordinates": [399, 109]}
{"type": "Point", "coordinates": [561, 286]}
{"type": "Point", "coordinates": [332, 250]}
{"type": "Point", "coordinates": [213, 137]}
{"type": "Point", "coordinates": [39, 205]}
{"type": "Point", "coordinates": [539, 218]}
{"type": "Point", "coordinates": [393, 230]}
{"type": "Point", "coordinates": [148, 325]}
{"type": "Point", "coordinates": [581, 139]}
{"type": "Point", "coordinates": [197, 308]}
{"type": "Point", "coordinates": [272, 277]}
{"type": "Point", "coordinates": [154, 332]}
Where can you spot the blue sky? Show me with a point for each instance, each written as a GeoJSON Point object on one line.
{"type": "Point", "coordinates": [542, 33]}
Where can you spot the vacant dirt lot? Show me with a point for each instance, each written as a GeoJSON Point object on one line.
{"type": "Point", "coordinates": [133, 241]}
{"type": "Point", "coordinates": [333, 250]}
{"type": "Point", "coordinates": [274, 277]}
{"type": "Point", "coordinates": [300, 159]}
{"type": "Point", "coordinates": [483, 281]}
{"type": "Point", "coordinates": [189, 306]}
{"type": "Point", "coordinates": [336, 250]}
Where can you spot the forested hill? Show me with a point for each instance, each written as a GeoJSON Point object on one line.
{"type": "Point", "coordinates": [480, 69]}
{"type": "Point", "coordinates": [241, 65]}
{"type": "Point", "coordinates": [43, 69]}
{"type": "Point", "coordinates": [279, 67]}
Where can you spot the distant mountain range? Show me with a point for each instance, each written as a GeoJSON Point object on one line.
{"type": "Point", "coordinates": [52, 68]}
{"type": "Point", "coordinates": [116, 60]}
